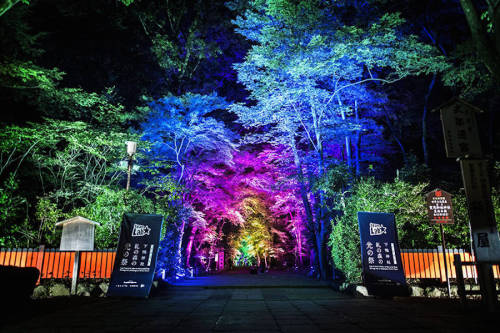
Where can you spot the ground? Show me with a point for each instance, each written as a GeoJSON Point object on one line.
{"type": "Point", "coordinates": [271, 302]}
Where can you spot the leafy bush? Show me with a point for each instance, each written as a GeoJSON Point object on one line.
{"type": "Point", "coordinates": [108, 210]}
{"type": "Point", "coordinates": [13, 232]}
{"type": "Point", "coordinates": [406, 201]}
{"type": "Point", "coordinates": [47, 215]}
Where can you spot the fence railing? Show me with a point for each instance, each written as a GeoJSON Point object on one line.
{"type": "Point", "coordinates": [430, 264]}
{"type": "Point", "coordinates": [98, 264]}
{"type": "Point", "coordinates": [55, 264]}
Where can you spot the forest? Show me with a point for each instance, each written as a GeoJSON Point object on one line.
{"type": "Point", "coordinates": [262, 126]}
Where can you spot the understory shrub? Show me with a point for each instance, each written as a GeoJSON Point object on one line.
{"type": "Point", "coordinates": [407, 202]}
{"type": "Point", "coordinates": [108, 210]}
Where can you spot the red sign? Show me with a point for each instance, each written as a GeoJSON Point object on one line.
{"type": "Point", "coordinates": [439, 207]}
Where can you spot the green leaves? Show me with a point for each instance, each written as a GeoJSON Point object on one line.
{"type": "Point", "coordinates": [108, 209]}
{"type": "Point", "coordinates": [407, 202]}
{"type": "Point", "coordinates": [26, 75]}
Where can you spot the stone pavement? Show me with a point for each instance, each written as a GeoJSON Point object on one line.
{"type": "Point", "coordinates": [263, 309]}
{"type": "Point", "coordinates": [243, 278]}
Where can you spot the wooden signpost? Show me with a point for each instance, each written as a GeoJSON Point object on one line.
{"type": "Point", "coordinates": [77, 235]}
{"type": "Point", "coordinates": [440, 211]}
{"type": "Point", "coordinates": [461, 138]}
{"type": "Point", "coordinates": [477, 189]}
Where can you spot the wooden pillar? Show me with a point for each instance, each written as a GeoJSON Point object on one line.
{"type": "Point", "coordinates": [39, 261]}
{"type": "Point", "coordinates": [74, 277]}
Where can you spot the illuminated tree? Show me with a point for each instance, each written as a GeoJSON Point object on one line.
{"type": "Point", "coordinates": [308, 70]}
{"type": "Point", "coordinates": [255, 240]}
{"type": "Point", "coordinates": [182, 132]}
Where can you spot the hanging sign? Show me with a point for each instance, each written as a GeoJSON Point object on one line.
{"type": "Point", "coordinates": [380, 254]}
{"type": "Point", "coordinates": [461, 136]}
{"type": "Point", "coordinates": [135, 260]}
{"type": "Point", "coordinates": [439, 207]}
{"type": "Point", "coordinates": [481, 214]}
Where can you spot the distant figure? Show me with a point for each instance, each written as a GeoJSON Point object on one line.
{"type": "Point", "coordinates": [262, 267]}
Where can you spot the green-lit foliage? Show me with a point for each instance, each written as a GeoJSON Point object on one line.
{"type": "Point", "coordinates": [39, 87]}
{"type": "Point", "coordinates": [12, 205]}
{"type": "Point", "coordinates": [5, 5]}
{"type": "Point", "coordinates": [47, 215]}
{"type": "Point", "coordinates": [244, 253]}
{"type": "Point", "coordinates": [468, 77]}
{"type": "Point", "coordinates": [178, 34]}
{"type": "Point", "coordinates": [72, 158]}
{"type": "Point", "coordinates": [34, 87]}
{"type": "Point", "coordinates": [407, 202]}
{"type": "Point", "coordinates": [254, 243]}
{"type": "Point", "coordinates": [65, 163]}
{"type": "Point", "coordinates": [108, 210]}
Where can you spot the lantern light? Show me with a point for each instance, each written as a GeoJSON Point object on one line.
{"type": "Point", "coordinates": [131, 147]}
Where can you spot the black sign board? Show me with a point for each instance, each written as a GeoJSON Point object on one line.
{"type": "Point", "coordinates": [439, 207]}
{"type": "Point", "coordinates": [380, 252]}
{"type": "Point", "coordinates": [135, 260]}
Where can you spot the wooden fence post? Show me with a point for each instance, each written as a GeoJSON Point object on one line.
{"type": "Point", "coordinates": [460, 278]}
{"type": "Point", "coordinates": [74, 278]}
{"type": "Point", "coordinates": [39, 261]}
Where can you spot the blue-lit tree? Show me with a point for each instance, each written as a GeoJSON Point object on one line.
{"type": "Point", "coordinates": [309, 72]}
{"type": "Point", "coordinates": [182, 132]}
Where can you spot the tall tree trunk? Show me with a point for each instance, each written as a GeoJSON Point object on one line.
{"type": "Point", "coordinates": [398, 141]}
{"type": "Point", "coordinates": [321, 244]}
{"type": "Point", "coordinates": [319, 202]}
{"type": "Point", "coordinates": [303, 190]}
{"type": "Point", "coordinates": [319, 226]}
{"type": "Point", "coordinates": [357, 152]}
{"type": "Point", "coordinates": [348, 153]}
{"type": "Point", "coordinates": [179, 245]}
{"type": "Point", "coordinates": [298, 241]}
{"type": "Point", "coordinates": [189, 246]}
{"type": "Point", "coordinates": [487, 48]}
{"type": "Point", "coordinates": [424, 119]}
{"type": "Point", "coordinates": [299, 246]}
{"type": "Point", "coordinates": [300, 176]}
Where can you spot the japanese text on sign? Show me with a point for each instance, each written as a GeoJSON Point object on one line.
{"type": "Point", "coordinates": [439, 207]}
{"type": "Point", "coordinates": [460, 130]}
{"type": "Point", "coordinates": [381, 257]}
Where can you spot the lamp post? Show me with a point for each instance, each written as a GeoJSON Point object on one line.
{"type": "Point", "coordinates": [131, 149]}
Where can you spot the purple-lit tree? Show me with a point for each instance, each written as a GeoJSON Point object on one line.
{"type": "Point", "coordinates": [182, 132]}
{"type": "Point", "coordinates": [308, 71]}
{"type": "Point", "coordinates": [287, 206]}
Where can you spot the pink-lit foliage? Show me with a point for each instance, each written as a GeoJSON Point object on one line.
{"type": "Point", "coordinates": [241, 191]}
{"type": "Point", "coordinates": [228, 193]}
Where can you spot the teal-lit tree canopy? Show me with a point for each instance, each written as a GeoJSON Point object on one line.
{"type": "Point", "coordinates": [263, 126]}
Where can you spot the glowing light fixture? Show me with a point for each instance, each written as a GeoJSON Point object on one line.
{"type": "Point", "coordinates": [131, 149]}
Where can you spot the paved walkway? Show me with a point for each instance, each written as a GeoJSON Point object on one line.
{"type": "Point", "coordinates": [263, 309]}
{"type": "Point", "coordinates": [243, 279]}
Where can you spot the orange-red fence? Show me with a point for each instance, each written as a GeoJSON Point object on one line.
{"type": "Point", "coordinates": [429, 264]}
{"type": "Point", "coordinates": [55, 264]}
{"type": "Point", "coordinates": [98, 264]}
